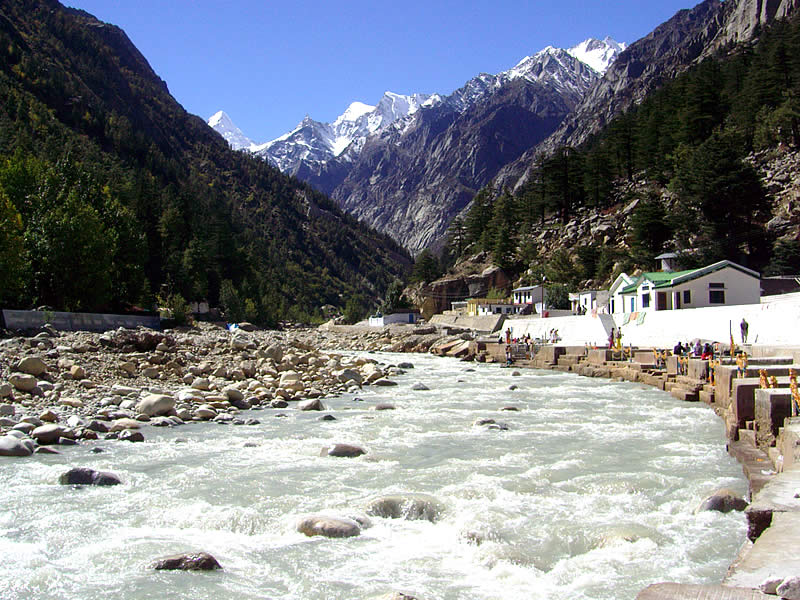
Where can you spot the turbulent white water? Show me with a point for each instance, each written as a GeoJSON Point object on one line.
{"type": "Point", "coordinates": [589, 494]}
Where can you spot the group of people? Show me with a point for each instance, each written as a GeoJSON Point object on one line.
{"type": "Point", "coordinates": [698, 350]}
{"type": "Point", "coordinates": [615, 338]}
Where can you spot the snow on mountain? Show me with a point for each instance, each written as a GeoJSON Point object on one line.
{"type": "Point", "coordinates": [316, 142]}
{"type": "Point", "coordinates": [565, 71]}
{"type": "Point", "coordinates": [598, 54]}
{"type": "Point", "coordinates": [223, 125]}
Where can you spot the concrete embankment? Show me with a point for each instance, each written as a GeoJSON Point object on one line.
{"type": "Point", "coordinates": [773, 322]}
{"type": "Point", "coordinates": [762, 434]}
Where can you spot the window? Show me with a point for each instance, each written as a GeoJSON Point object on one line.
{"type": "Point", "coordinates": [633, 304]}
{"type": "Point", "coordinates": [718, 286]}
{"type": "Point", "coordinates": [687, 296]}
{"type": "Point", "coordinates": [645, 300]}
{"type": "Point", "coordinates": [716, 296]}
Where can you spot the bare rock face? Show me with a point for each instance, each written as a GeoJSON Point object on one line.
{"type": "Point", "coordinates": [671, 48]}
{"type": "Point", "coordinates": [196, 561]}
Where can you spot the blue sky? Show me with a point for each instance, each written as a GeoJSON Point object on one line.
{"type": "Point", "coordinates": [268, 63]}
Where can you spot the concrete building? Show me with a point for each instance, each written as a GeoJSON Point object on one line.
{"type": "Point", "coordinates": [409, 316]}
{"type": "Point", "coordinates": [615, 298]}
{"type": "Point", "coordinates": [477, 307]}
{"type": "Point", "coordinates": [532, 295]}
{"type": "Point", "coordinates": [723, 283]}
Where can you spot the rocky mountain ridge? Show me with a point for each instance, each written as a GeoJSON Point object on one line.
{"type": "Point", "coordinates": [412, 173]}
{"type": "Point", "coordinates": [687, 38]}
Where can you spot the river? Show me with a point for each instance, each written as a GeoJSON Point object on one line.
{"type": "Point", "coordinates": [590, 493]}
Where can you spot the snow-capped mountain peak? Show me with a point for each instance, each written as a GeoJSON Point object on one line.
{"type": "Point", "coordinates": [568, 72]}
{"type": "Point", "coordinates": [223, 125]}
{"type": "Point", "coordinates": [354, 111]}
{"type": "Point", "coordinates": [598, 54]}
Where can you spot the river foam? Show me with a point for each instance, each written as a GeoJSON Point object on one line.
{"type": "Point", "coordinates": [590, 493]}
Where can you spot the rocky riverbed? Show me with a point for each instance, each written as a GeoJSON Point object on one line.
{"type": "Point", "coordinates": [57, 388]}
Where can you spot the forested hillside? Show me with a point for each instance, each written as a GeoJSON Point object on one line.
{"type": "Point", "coordinates": [111, 194]}
{"type": "Point", "coordinates": [683, 159]}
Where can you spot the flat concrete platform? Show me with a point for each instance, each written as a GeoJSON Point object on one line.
{"type": "Point", "coordinates": [775, 554]}
{"type": "Point", "coordinates": [781, 494]}
{"type": "Point", "coordinates": [679, 591]}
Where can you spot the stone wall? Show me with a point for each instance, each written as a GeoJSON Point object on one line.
{"type": "Point", "coordinates": [65, 321]}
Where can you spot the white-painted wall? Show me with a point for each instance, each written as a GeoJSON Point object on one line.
{"type": "Point", "coordinates": [774, 321]}
{"type": "Point", "coordinates": [393, 319]}
{"type": "Point", "coordinates": [739, 288]}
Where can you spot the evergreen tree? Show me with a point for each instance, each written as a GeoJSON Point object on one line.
{"type": "Point", "coordinates": [426, 267]}
{"type": "Point", "coordinates": [722, 200]}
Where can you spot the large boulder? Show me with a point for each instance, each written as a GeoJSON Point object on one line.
{"type": "Point", "coordinates": [48, 434]}
{"type": "Point", "coordinates": [349, 375]}
{"type": "Point", "coordinates": [131, 435]}
{"type": "Point", "coordinates": [124, 423]}
{"type": "Point", "coordinates": [13, 446]}
{"type": "Point", "coordinates": [32, 365]}
{"type": "Point", "coordinates": [195, 561]}
{"type": "Point", "coordinates": [412, 507]}
{"type": "Point", "coordinates": [332, 527]}
{"type": "Point", "coordinates": [23, 382]}
{"type": "Point", "coordinates": [154, 405]}
{"type": "Point", "coordinates": [313, 404]}
{"type": "Point", "coordinates": [724, 501]}
{"type": "Point", "coordinates": [86, 476]}
{"type": "Point", "coordinates": [204, 412]}
{"type": "Point", "coordinates": [344, 450]}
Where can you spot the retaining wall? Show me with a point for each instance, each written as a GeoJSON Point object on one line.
{"type": "Point", "coordinates": [65, 321]}
{"type": "Point", "coordinates": [774, 321]}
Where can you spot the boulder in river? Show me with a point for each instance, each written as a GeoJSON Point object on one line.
{"type": "Point", "coordinates": [154, 405]}
{"type": "Point", "coordinates": [192, 561]}
{"type": "Point", "coordinates": [723, 500]}
{"type": "Point", "coordinates": [131, 435]}
{"type": "Point", "coordinates": [412, 507]}
{"type": "Point", "coordinates": [48, 434]}
{"type": "Point", "coordinates": [313, 404]}
{"type": "Point", "coordinates": [789, 589]}
{"type": "Point", "coordinates": [13, 446]}
{"type": "Point", "coordinates": [86, 476]}
{"type": "Point", "coordinates": [326, 526]}
{"type": "Point", "coordinates": [344, 450]}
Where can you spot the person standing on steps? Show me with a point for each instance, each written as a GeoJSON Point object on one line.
{"type": "Point", "coordinates": [744, 326]}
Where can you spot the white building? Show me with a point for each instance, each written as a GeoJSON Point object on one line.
{"type": "Point", "coordinates": [616, 300]}
{"type": "Point", "coordinates": [724, 283]}
{"type": "Point", "coordinates": [409, 316]}
{"type": "Point", "coordinates": [534, 295]}
{"type": "Point", "coordinates": [589, 301]}
{"type": "Point", "coordinates": [477, 307]}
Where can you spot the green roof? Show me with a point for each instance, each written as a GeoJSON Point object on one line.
{"type": "Point", "coordinates": [657, 278]}
{"type": "Point", "coordinates": [661, 279]}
